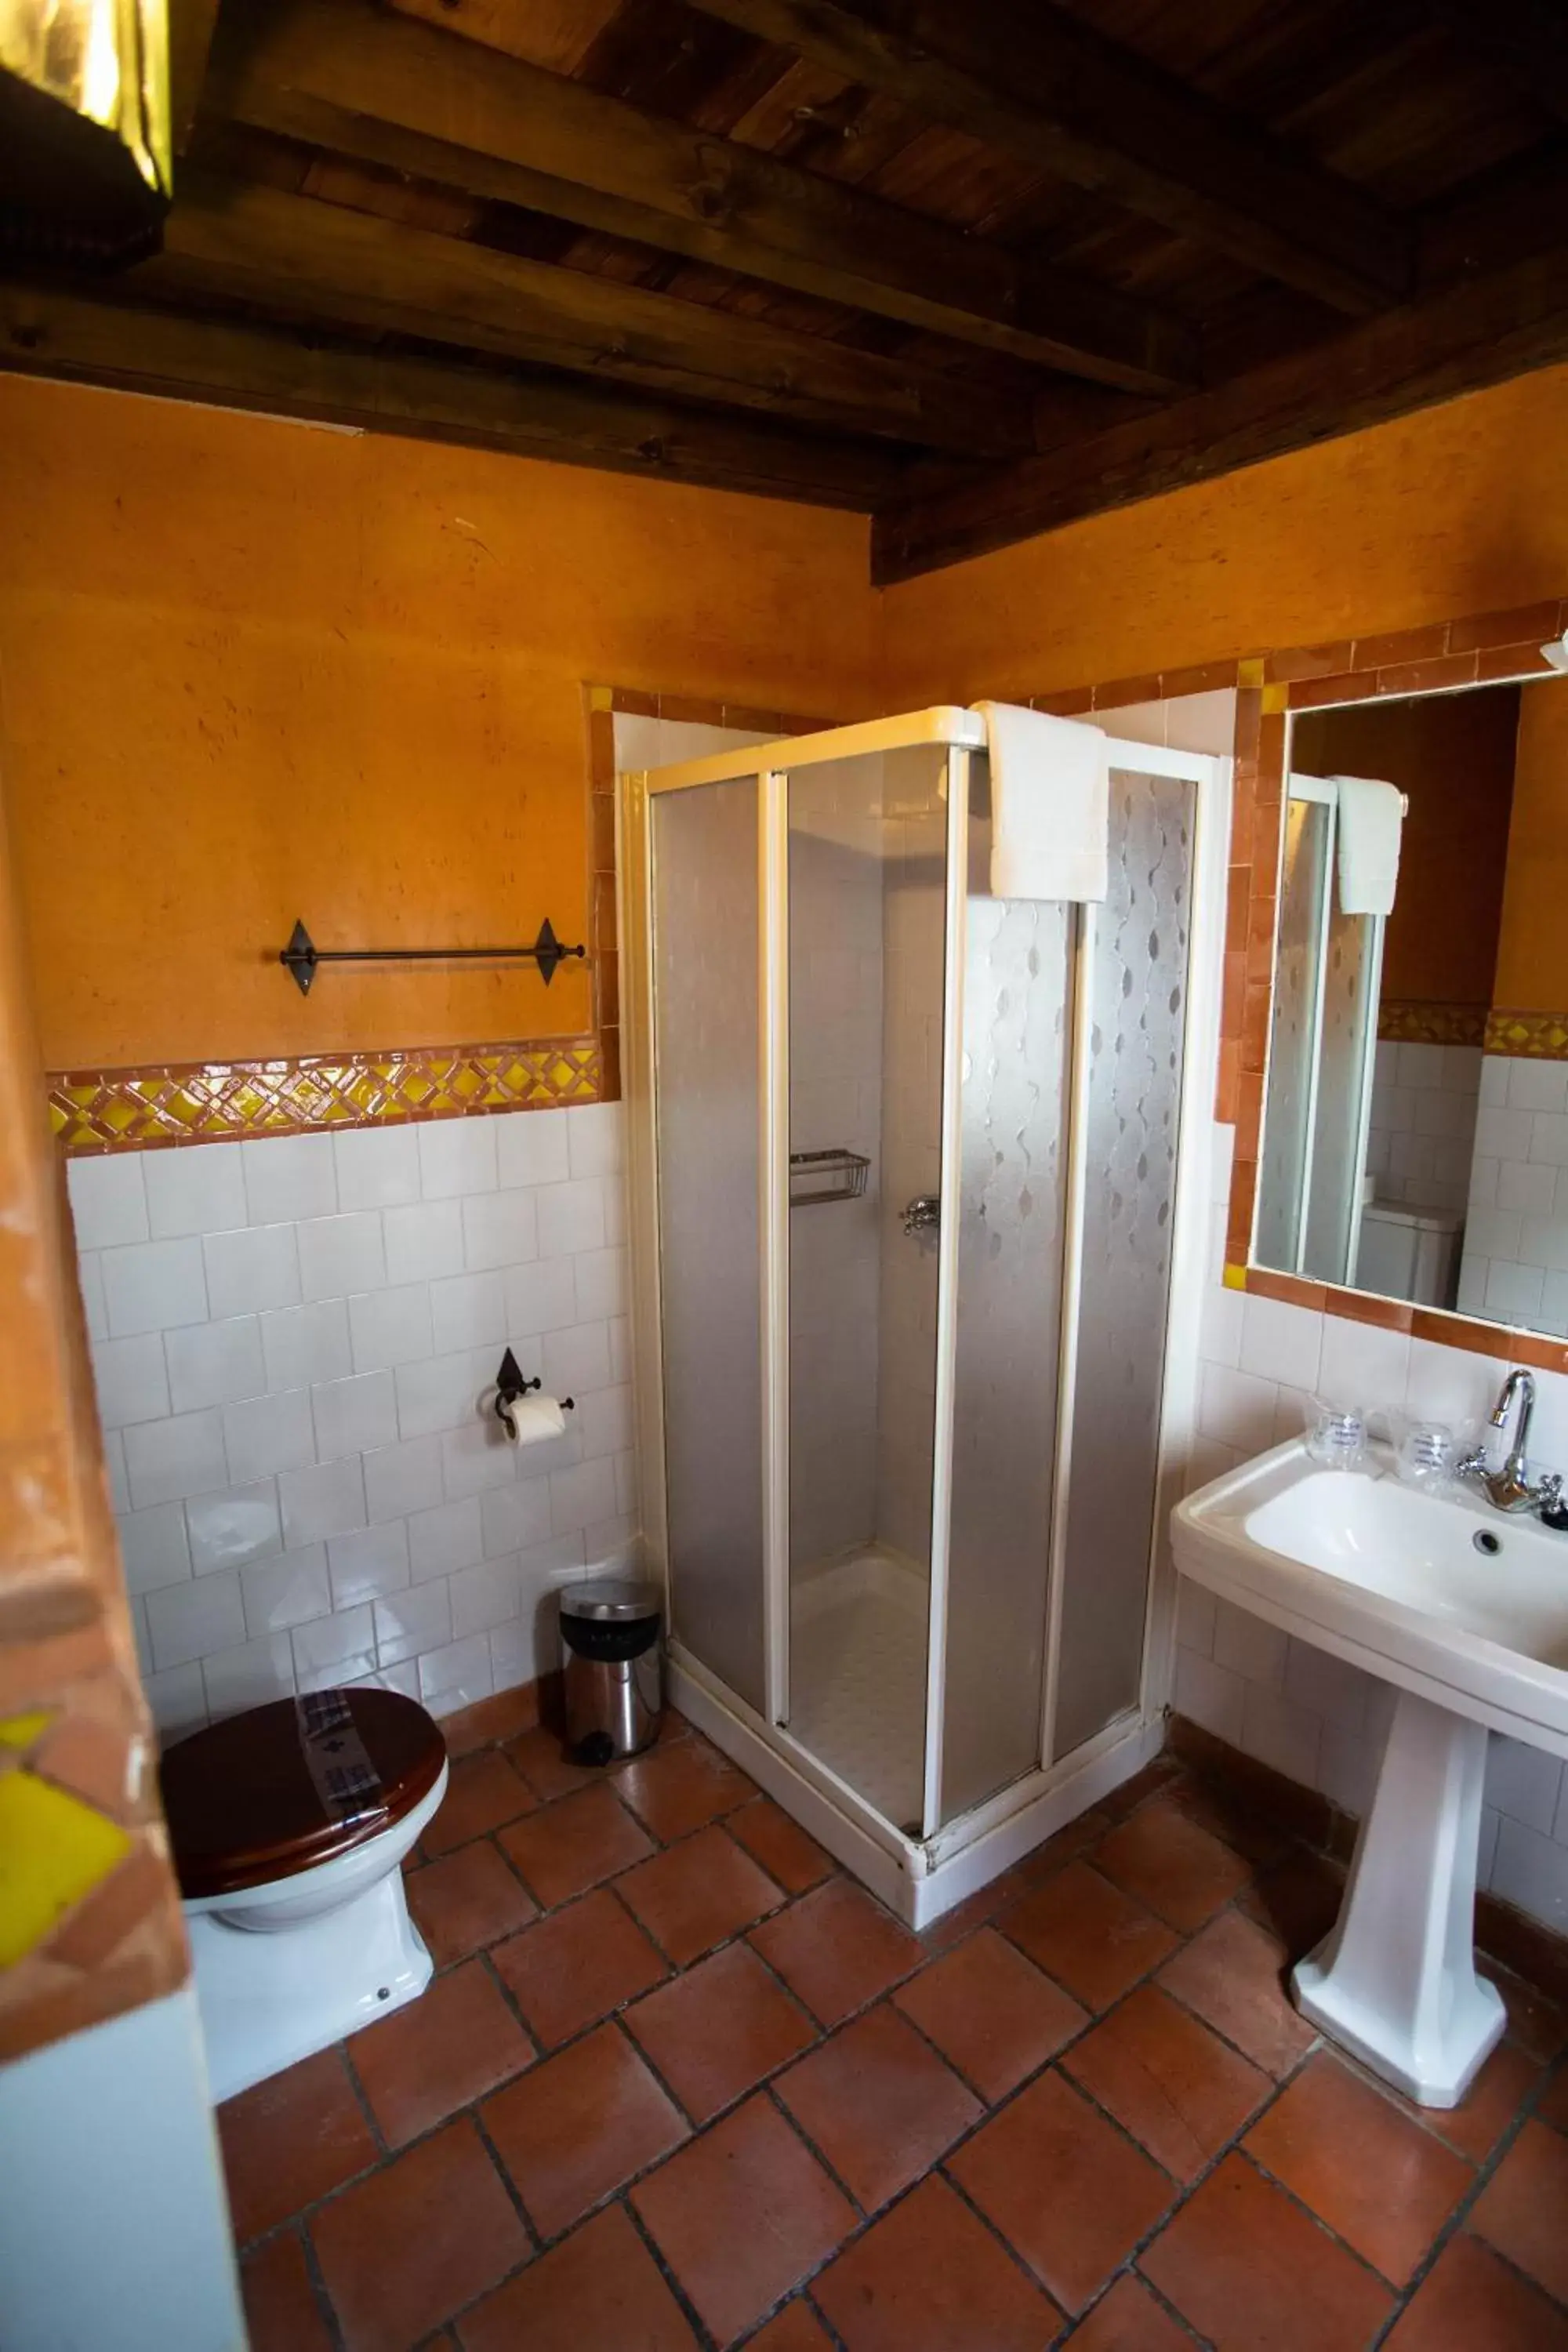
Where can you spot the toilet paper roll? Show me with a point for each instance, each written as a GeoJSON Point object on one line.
{"type": "Point", "coordinates": [527, 1421]}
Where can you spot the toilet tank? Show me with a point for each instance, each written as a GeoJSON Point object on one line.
{"type": "Point", "coordinates": [1410, 1253]}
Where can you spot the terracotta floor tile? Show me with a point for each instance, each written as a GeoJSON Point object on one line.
{"type": "Point", "coordinates": [570, 1846]}
{"type": "Point", "coordinates": [714, 2032]}
{"type": "Point", "coordinates": [468, 1899]}
{"type": "Point", "coordinates": [929, 2277]}
{"type": "Point", "coordinates": [392, 2274]}
{"type": "Point", "coordinates": [837, 1949]}
{"type": "Point", "coordinates": [490, 1720]}
{"type": "Point", "coordinates": [1087, 1935]}
{"type": "Point", "coordinates": [742, 2215]}
{"type": "Point", "coordinates": [1473, 2303]}
{"type": "Point", "coordinates": [1252, 2273]}
{"type": "Point", "coordinates": [1534, 2020]}
{"type": "Point", "coordinates": [780, 1845]}
{"type": "Point", "coordinates": [281, 2313]}
{"type": "Point", "coordinates": [541, 1756]}
{"type": "Point", "coordinates": [991, 2012]}
{"type": "Point", "coordinates": [1233, 1974]}
{"type": "Point", "coordinates": [797, 2329]}
{"type": "Point", "coordinates": [697, 1894]}
{"type": "Point", "coordinates": [1172, 1863]}
{"type": "Point", "coordinates": [1523, 2210]}
{"type": "Point", "coordinates": [879, 2104]}
{"type": "Point", "coordinates": [1227, 1816]}
{"type": "Point", "coordinates": [1298, 1900]}
{"type": "Point", "coordinates": [483, 1792]}
{"type": "Point", "coordinates": [290, 2140]}
{"type": "Point", "coordinates": [1493, 2100]}
{"type": "Point", "coordinates": [1129, 2319]}
{"type": "Point", "coordinates": [1162, 1771]}
{"type": "Point", "coordinates": [1380, 2180]}
{"type": "Point", "coordinates": [1053, 1853]}
{"type": "Point", "coordinates": [576, 1965]}
{"type": "Point", "coordinates": [1175, 2085]}
{"type": "Point", "coordinates": [458, 2040]}
{"type": "Point", "coordinates": [1063, 2186]}
{"type": "Point", "coordinates": [578, 2125]}
{"type": "Point", "coordinates": [1554, 2107]}
{"type": "Point", "coordinates": [676, 1786]}
{"type": "Point", "coordinates": [599, 2290]}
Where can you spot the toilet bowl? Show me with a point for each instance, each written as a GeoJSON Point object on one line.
{"type": "Point", "coordinates": [288, 1826]}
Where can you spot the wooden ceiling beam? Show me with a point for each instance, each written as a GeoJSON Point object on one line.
{"type": "Point", "coordinates": [304, 259]}
{"type": "Point", "coordinates": [1528, 38]}
{"type": "Point", "coordinates": [172, 356]}
{"type": "Point", "coordinates": [1024, 76]}
{"type": "Point", "coordinates": [192, 24]}
{"type": "Point", "coordinates": [1478, 334]}
{"type": "Point", "coordinates": [395, 92]}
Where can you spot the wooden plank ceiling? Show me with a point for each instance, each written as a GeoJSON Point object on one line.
{"type": "Point", "coordinates": [975, 270]}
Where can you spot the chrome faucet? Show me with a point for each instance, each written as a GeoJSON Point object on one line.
{"type": "Point", "coordinates": [1509, 1487]}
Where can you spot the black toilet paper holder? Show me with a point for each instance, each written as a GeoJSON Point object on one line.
{"type": "Point", "coordinates": [512, 1387]}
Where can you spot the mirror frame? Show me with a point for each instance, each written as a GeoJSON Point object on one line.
{"type": "Point", "coordinates": [1447, 657]}
{"type": "Point", "coordinates": [1441, 658]}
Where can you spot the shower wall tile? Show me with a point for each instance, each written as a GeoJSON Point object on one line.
{"type": "Point", "coordinates": [294, 1338]}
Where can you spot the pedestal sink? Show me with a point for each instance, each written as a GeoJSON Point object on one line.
{"type": "Point", "coordinates": [1465, 1611]}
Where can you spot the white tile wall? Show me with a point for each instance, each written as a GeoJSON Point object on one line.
{"type": "Point", "coordinates": [1515, 1265]}
{"type": "Point", "coordinates": [1422, 1133]}
{"type": "Point", "coordinates": [1311, 1716]}
{"type": "Point", "coordinates": [291, 1338]}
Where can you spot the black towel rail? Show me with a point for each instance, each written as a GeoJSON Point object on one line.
{"type": "Point", "coordinates": [301, 955]}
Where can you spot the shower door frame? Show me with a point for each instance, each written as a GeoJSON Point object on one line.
{"type": "Point", "coordinates": [919, 1876]}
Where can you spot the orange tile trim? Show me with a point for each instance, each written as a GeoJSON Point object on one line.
{"type": "Point", "coordinates": [1530, 1036]}
{"type": "Point", "coordinates": [199, 1102]}
{"type": "Point", "coordinates": [1412, 1022]}
{"type": "Point", "coordinates": [1480, 649]}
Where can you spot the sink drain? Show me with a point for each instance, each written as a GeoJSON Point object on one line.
{"type": "Point", "coordinates": [1484, 1541]}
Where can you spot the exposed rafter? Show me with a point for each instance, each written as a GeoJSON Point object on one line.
{"type": "Point", "coordinates": [299, 259]}
{"type": "Point", "coordinates": [1528, 36]}
{"type": "Point", "coordinates": [1024, 76]}
{"type": "Point", "coordinates": [394, 92]}
{"type": "Point", "coordinates": [1481, 333]}
{"type": "Point", "coordinates": [138, 349]}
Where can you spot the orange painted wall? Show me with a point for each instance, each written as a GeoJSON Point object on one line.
{"type": "Point", "coordinates": [1460, 509]}
{"type": "Point", "coordinates": [1453, 755]}
{"type": "Point", "coordinates": [251, 671]}
{"type": "Point", "coordinates": [1533, 958]}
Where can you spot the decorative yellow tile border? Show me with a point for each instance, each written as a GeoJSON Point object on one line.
{"type": "Point", "coordinates": [199, 1102]}
{"type": "Point", "coordinates": [1531, 1036]}
{"type": "Point", "coordinates": [1410, 1021]}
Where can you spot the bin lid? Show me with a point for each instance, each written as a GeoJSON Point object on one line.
{"type": "Point", "coordinates": [611, 1599]}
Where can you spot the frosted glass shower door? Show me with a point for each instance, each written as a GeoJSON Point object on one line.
{"type": "Point", "coordinates": [1007, 1323]}
{"type": "Point", "coordinates": [706, 942]}
{"type": "Point", "coordinates": [867, 891]}
{"type": "Point", "coordinates": [1131, 1097]}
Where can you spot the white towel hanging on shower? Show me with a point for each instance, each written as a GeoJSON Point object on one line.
{"type": "Point", "coordinates": [1050, 804]}
{"type": "Point", "coordinates": [1372, 818]}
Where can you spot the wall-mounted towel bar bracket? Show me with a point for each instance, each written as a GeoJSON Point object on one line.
{"type": "Point", "coordinates": [301, 955]}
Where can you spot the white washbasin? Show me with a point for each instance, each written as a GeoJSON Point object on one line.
{"type": "Point", "coordinates": [1394, 1580]}
{"type": "Point", "coordinates": [1464, 1609]}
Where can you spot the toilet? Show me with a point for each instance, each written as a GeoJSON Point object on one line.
{"type": "Point", "coordinates": [288, 1825]}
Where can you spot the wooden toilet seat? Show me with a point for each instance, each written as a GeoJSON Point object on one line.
{"type": "Point", "coordinates": [279, 1789]}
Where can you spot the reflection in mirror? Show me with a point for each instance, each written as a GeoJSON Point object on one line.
{"type": "Point", "coordinates": [1415, 1116]}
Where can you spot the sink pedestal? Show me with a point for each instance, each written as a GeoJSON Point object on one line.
{"type": "Point", "coordinates": [1395, 1981]}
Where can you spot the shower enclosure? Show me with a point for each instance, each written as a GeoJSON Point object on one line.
{"type": "Point", "coordinates": [906, 1214]}
{"type": "Point", "coordinates": [1321, 1047]}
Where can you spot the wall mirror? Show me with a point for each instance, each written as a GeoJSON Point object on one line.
{"type": "Point", "coordinates": [1415, 1139]}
